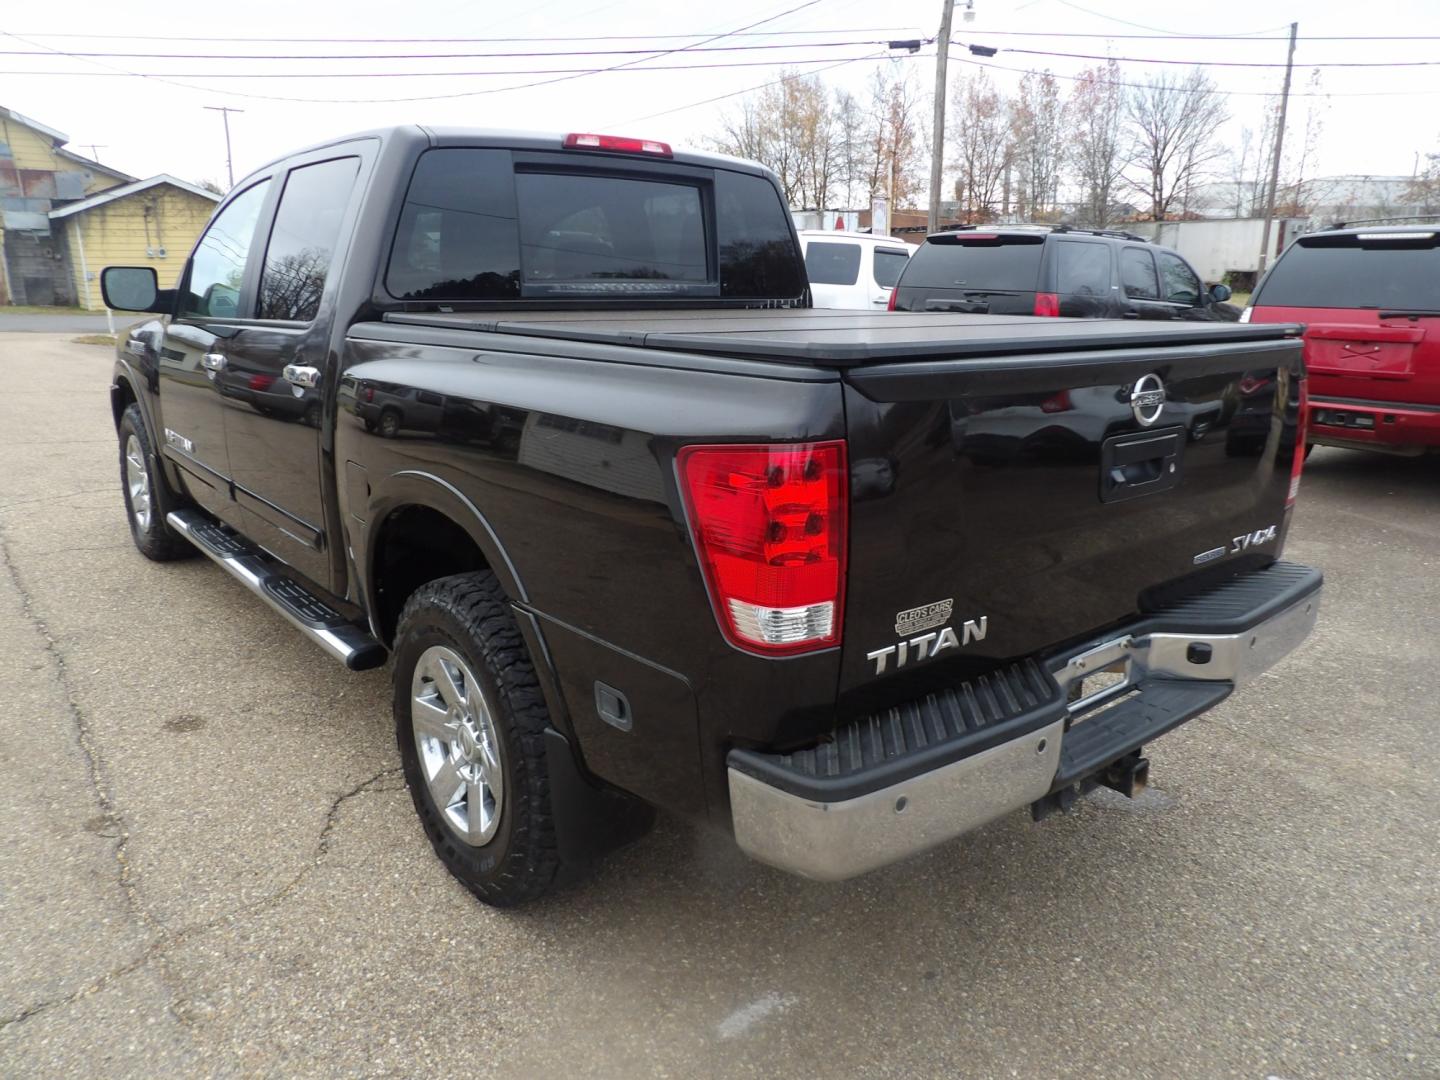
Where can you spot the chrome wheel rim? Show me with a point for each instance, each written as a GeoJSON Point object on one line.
{"type": "Point", "coordinates": [137, 482]}
{"type": "Point", "coordinates": [457, 745]}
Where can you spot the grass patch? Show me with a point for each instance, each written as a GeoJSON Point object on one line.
{"type": "Point", "coordinates": [41, 309]}
{"type": "Point", "coordinates": [1240, 299]}
{"type": "Point", "coordinates": [94, 339]}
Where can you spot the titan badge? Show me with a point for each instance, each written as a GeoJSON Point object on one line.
{"type": "Point", "coordinates": [911, 650]}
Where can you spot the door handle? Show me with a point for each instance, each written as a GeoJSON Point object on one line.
{"type": "Point", "coordinates": [213, 361]}
{"type": "Point", "coordinates": [1131, 315]}
{"type": "Point", "coordinates": [302, 375]}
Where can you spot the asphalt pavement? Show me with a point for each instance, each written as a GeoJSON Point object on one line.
{"type": "Point", "coordinates": [212, 867]}
{"type": "Point", "coordinates": [60, 322]}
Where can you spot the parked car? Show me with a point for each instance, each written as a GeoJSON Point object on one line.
{"type": "Point", "coordinates": [844, 585]}
{"type": "Point", "coordinates": [1056, 270]}
{"type": "Point", "coordinates": [852, 270]}
{"type": "Point", "coordinates": [1370, 301]}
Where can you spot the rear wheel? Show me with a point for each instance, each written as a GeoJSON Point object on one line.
{"type": "Point", "coordinates": [146, 497]}
{"type": "Point", "coordinates": [470, 725]}
{"type": "Point", "coordinates": [389, 423]}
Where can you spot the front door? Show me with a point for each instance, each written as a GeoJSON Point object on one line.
{"type": "Point", "coordinates": [194, 377]}
{"type": "Point", "coordinates": [281, 358]}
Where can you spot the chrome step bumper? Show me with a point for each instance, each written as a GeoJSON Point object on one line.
{"type": "Point", "coordinates": [899, 782]}
{"type": "Point", "coordinates": [352, 645]}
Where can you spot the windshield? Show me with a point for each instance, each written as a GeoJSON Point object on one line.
{"type": "Point", "coordinates": [1350, 276]}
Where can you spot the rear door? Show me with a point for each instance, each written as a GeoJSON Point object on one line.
{"type": "Point", "coordinates": [974, 272]}
{"type": "Point", "coordinates": [1028, 501]}
{"type": "Point", "coordinates": [1140, 283]}
{"type": "Point", "coordinates": [280, 360]}
{"type": "Point", "coordinates": [1371, 306]}
{"type": "Point", "coordinates": [1084, 278]}
{"type": "Point", "coordinates": [887, 264]}
{"type": "Point", "coordinates": [195, 379]}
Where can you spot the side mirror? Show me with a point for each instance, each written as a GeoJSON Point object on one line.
{"type": "Point", "coordinates": [134, 288]}
{"type": "Point", "coordinates": [1219, 293]}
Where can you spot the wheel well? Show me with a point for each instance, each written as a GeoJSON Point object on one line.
{"type": "Point", "coordinates": [417, 544]}
{"type": "Point", "coordinates": [121, 398]}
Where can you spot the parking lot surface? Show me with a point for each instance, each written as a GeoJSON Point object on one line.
{"type": "Point", "coordinates": [212, 866]}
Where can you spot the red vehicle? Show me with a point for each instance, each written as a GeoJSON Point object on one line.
{"type": "Point", "coordinates": [1370, 302]}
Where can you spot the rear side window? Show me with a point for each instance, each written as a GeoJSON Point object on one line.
{"type": "Point", "coordinates": [889, 265]}
{"type": "Point", "coordinates": [608, 232]}
{"type": "Point", "coordinates": [987, 265]}
{"type": "Point", "coordinates": [1181, 284]}
{"type": "Point", "coordinates": [1082, 268]}
{"type": "Point", "coordinates": [1404, 278]}
{"type": "Point", "coordinates": [302, 240]}
{"type": "Point", "coordinates": [1137, 274]}
{"type": "Point", "coordinates": [457, 238]}
{"type": "Point", "coordinates": [829, 263]}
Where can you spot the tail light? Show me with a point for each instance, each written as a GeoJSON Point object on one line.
{"type": "Point", "coordinates": [617, 144]}
{"type": "Point", "coordinates": [770, 526]}
{"type": "Point", "coordinates": [369, 393]}
{"type": "Point", "coordinates": [894, 295]}
{"type": "Point", "coordinates": [261, 382]}
{"type": "Point", "coordinates": [1057, 403]}
{"type": "Point", "coordinates": [1302, 424]}
{"type": "Point", "coordinates": [1047, 303]}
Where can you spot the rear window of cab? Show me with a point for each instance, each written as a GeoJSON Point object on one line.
{"type": "Point", "coordinates": [477, 225]}
{"type": "Point", "coordinates": [1399, 271]}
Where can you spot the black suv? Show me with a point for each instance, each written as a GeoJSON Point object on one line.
{"type": "Point", "coordinates": [1056, 270]}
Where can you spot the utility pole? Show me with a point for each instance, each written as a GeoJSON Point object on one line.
{"type": "Point", "coordinates": [1275, 159]}
{"type": "Point", "coordinates": [937, 143]}
{"type": "Point", "coordinates": [95, 149]}
{"type": "Point", "coordinates": [226, 110]}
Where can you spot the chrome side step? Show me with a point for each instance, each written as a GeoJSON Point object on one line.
{"type": "Point", "coordinates": [350, 644]}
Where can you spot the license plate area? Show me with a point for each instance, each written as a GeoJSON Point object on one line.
{"type": "Point", "coordinates": [1141, 463]}
{"type": "Point", "coordinates": [1343, 418]}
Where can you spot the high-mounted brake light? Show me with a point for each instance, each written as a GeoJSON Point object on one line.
{"type": "Point", "coordinates": [770, 524]}
{"type": "Point", "coordinates": [617, 144]}
{"type": "Point", "coordinates": [1047, 303]}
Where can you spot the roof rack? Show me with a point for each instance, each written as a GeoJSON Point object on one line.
{"type": "Point", "coordinates": [1116, 234]}
{"type": "Point", "coordinates": [1417, 219]}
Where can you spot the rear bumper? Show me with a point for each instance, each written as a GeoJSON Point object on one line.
{"type": "Point", "coordinates": [1366, 424]}
{"type": "Point", "coordinates": [897, 783]}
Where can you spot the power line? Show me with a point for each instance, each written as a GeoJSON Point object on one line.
{"type": "Point", "coordinates": [1246, 40]}
{"type": "Point", "coordinates": [1223, 63]}
{"type": "Point", "coordinates": [1156, 29]}
{"type": "Point", "coordinates": [889, 31]}
{"type": "Point", "coordinates": [619, 70]}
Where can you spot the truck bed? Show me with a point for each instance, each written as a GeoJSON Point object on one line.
{"type": "Point", "coordinates": [834, 338]}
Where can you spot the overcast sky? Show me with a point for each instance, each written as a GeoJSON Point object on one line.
{"type": "Point", "coordinates": [147, 125]}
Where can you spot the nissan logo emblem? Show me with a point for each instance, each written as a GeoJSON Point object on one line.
{"type": "Point", "coordinates": [1147, 400]}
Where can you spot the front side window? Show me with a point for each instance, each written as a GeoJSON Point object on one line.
{"type": "Point", "coordinates": [889, 265]}
{"type": "Point", "coordinates": [1137, 274]}
{"type": "Point", "coordinates": [302, 241]}
{"type": "Point", "coordinates": [217, 269]}
{"type": "Point", "coordinates": [1083, 268]}
{"type": "Point", "coordinates": [828, 263]}
{"type": "Point", "coordinates": [1181, 284]}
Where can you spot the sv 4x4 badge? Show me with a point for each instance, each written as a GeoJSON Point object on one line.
{"type": "Point", "coordinates": [927, 646]}
{"type": "Point", "coordinates": [1239, 544]}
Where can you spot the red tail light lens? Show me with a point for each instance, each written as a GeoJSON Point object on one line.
{"type": "Point", "coordinates": [1047, 303]}
{"type": "Point", "coordinates": [261, 382]}
{"type": "Point", "coordinates": [369, 393]}
{"type": "Point", "coordinates": [770, 525]}
{"type": "Point", "coordinates": [894, 295]}
{"type": "Point", "coordinates": [1302, 425]}
{"type": "Point", "coordinates": [617, 144]}
{"type": "Point", "coordinates": [1057, 403]}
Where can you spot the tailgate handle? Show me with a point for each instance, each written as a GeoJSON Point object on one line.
{"type": "Point", "coordinates": [1140, 464]}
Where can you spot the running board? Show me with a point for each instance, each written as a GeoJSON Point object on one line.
{"type": "Point", "coordinates": [350, 644]}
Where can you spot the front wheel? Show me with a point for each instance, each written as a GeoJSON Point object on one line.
{"type": "Point", "coordinates": [145, 495]}
{"type": "Point", "coordinates": [470, 724]}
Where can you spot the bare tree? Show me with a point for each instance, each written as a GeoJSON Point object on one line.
{"type": "Point", "coordinates": [894, 140]}
{"type": "Point", "coordinates": [1296, 196]}
{"type": "Point", "coordinates": [1173, 122]}
{"type": "Point", "coordinates": [979, 137]}
{"type": "Point", "coordinates": [1423, 191]}
{"type": "Point", "coordinates": [791, 127]}
{"type": "Point", "coordinates": [1035, 115]}
{"type": "Point", "coordinates": [1095, 131]}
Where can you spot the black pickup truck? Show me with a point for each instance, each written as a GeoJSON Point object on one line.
{"type": "Point", "coordinates": [549, 425]}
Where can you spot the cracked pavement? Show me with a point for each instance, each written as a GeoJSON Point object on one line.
{"type": "Point", "coordinates": [213, 867]}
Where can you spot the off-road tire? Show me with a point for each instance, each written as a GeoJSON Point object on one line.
{"type": "Point", "coordinates": [154, 539]}
{"type": "Point", "coordinates": [469, 614]}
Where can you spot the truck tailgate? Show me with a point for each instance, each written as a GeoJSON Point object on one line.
{"type": "Point", "coordinates": [1004, 506]}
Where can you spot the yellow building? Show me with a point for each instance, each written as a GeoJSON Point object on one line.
{"type": "Point", "coordinates": [151, 222]}
{"type": "Point", "coordinates": [64, 217]}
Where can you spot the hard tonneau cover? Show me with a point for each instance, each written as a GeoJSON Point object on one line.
{"type": "Point", "coordinates": [834, 337]}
